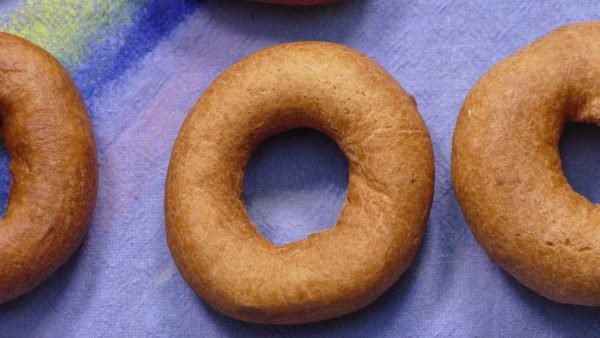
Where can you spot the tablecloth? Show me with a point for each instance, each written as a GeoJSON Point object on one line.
{"type": "Point", "coordinates": [141, 65]}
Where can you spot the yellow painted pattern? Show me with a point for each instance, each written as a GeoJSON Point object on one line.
{"type": "Point", "coordinates": [66, 27]}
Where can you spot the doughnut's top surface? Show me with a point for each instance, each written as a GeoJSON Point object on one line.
{"type": "Point", "coordinates": [507, 171]}
{"type": "Point", "coordinates": [349, 97]}
{"type": "Point", "coordinates": [52, 163]}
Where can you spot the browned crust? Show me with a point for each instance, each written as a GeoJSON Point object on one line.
{"type": "Point", "coordinates": [507, 171]}
{"type": "Point", "coordinates": [343, 93]}
{"type": "Point", "coordinates": [53, 166]}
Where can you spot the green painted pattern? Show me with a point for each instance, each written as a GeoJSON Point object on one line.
{"type": "Point", "coordinates": [66, 27]}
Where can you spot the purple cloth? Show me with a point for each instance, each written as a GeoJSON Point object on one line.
{"type": "Point", "coordinates": [123, 282]}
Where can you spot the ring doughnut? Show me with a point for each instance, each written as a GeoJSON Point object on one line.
{"type": "Point", "coordinates": [506, 166]}
{"type": "Point", "coordinates": [52, 153]}
{"type": "Point", "coordinates": [344, 94]}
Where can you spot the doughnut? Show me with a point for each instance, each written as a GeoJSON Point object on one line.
{"type": "Point", "coordinates": [52, 152]}
{"type": "Point", "coordinates": [344, 94]}
{"type": "Point", "coordinates": [506, 166]}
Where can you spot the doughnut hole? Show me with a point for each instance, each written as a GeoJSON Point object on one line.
{"type": "Point", "coordinates": [5, 178]}
{"type": "Point", "coordinates": [295, 184]}
{"type": "Point", "coordinates": [580, 155]}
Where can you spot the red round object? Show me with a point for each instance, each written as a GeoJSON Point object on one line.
{"type": "Point", "coordinates": [296, 2]}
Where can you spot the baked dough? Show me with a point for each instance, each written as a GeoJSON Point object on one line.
{"type": "Point", "coordinates": [349, 97]}
{"type": "Point", "coordinates": [52, 162]}
{"type": "Point", "coordinates": [507, 171]}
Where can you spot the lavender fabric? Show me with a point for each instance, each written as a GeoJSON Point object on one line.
{"type": "Point", "coordinates": [122, 281]}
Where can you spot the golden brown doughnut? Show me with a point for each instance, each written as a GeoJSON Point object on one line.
{"type": "Point", "coordinates": [349, 97]}
{"type": "Point", "coordinates": [507, 171]}
{"type": "Point", "coordinates": [52, 162]}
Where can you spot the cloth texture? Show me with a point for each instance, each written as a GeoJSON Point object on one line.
{"type": "Point", "coordinates": [142, 64]}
